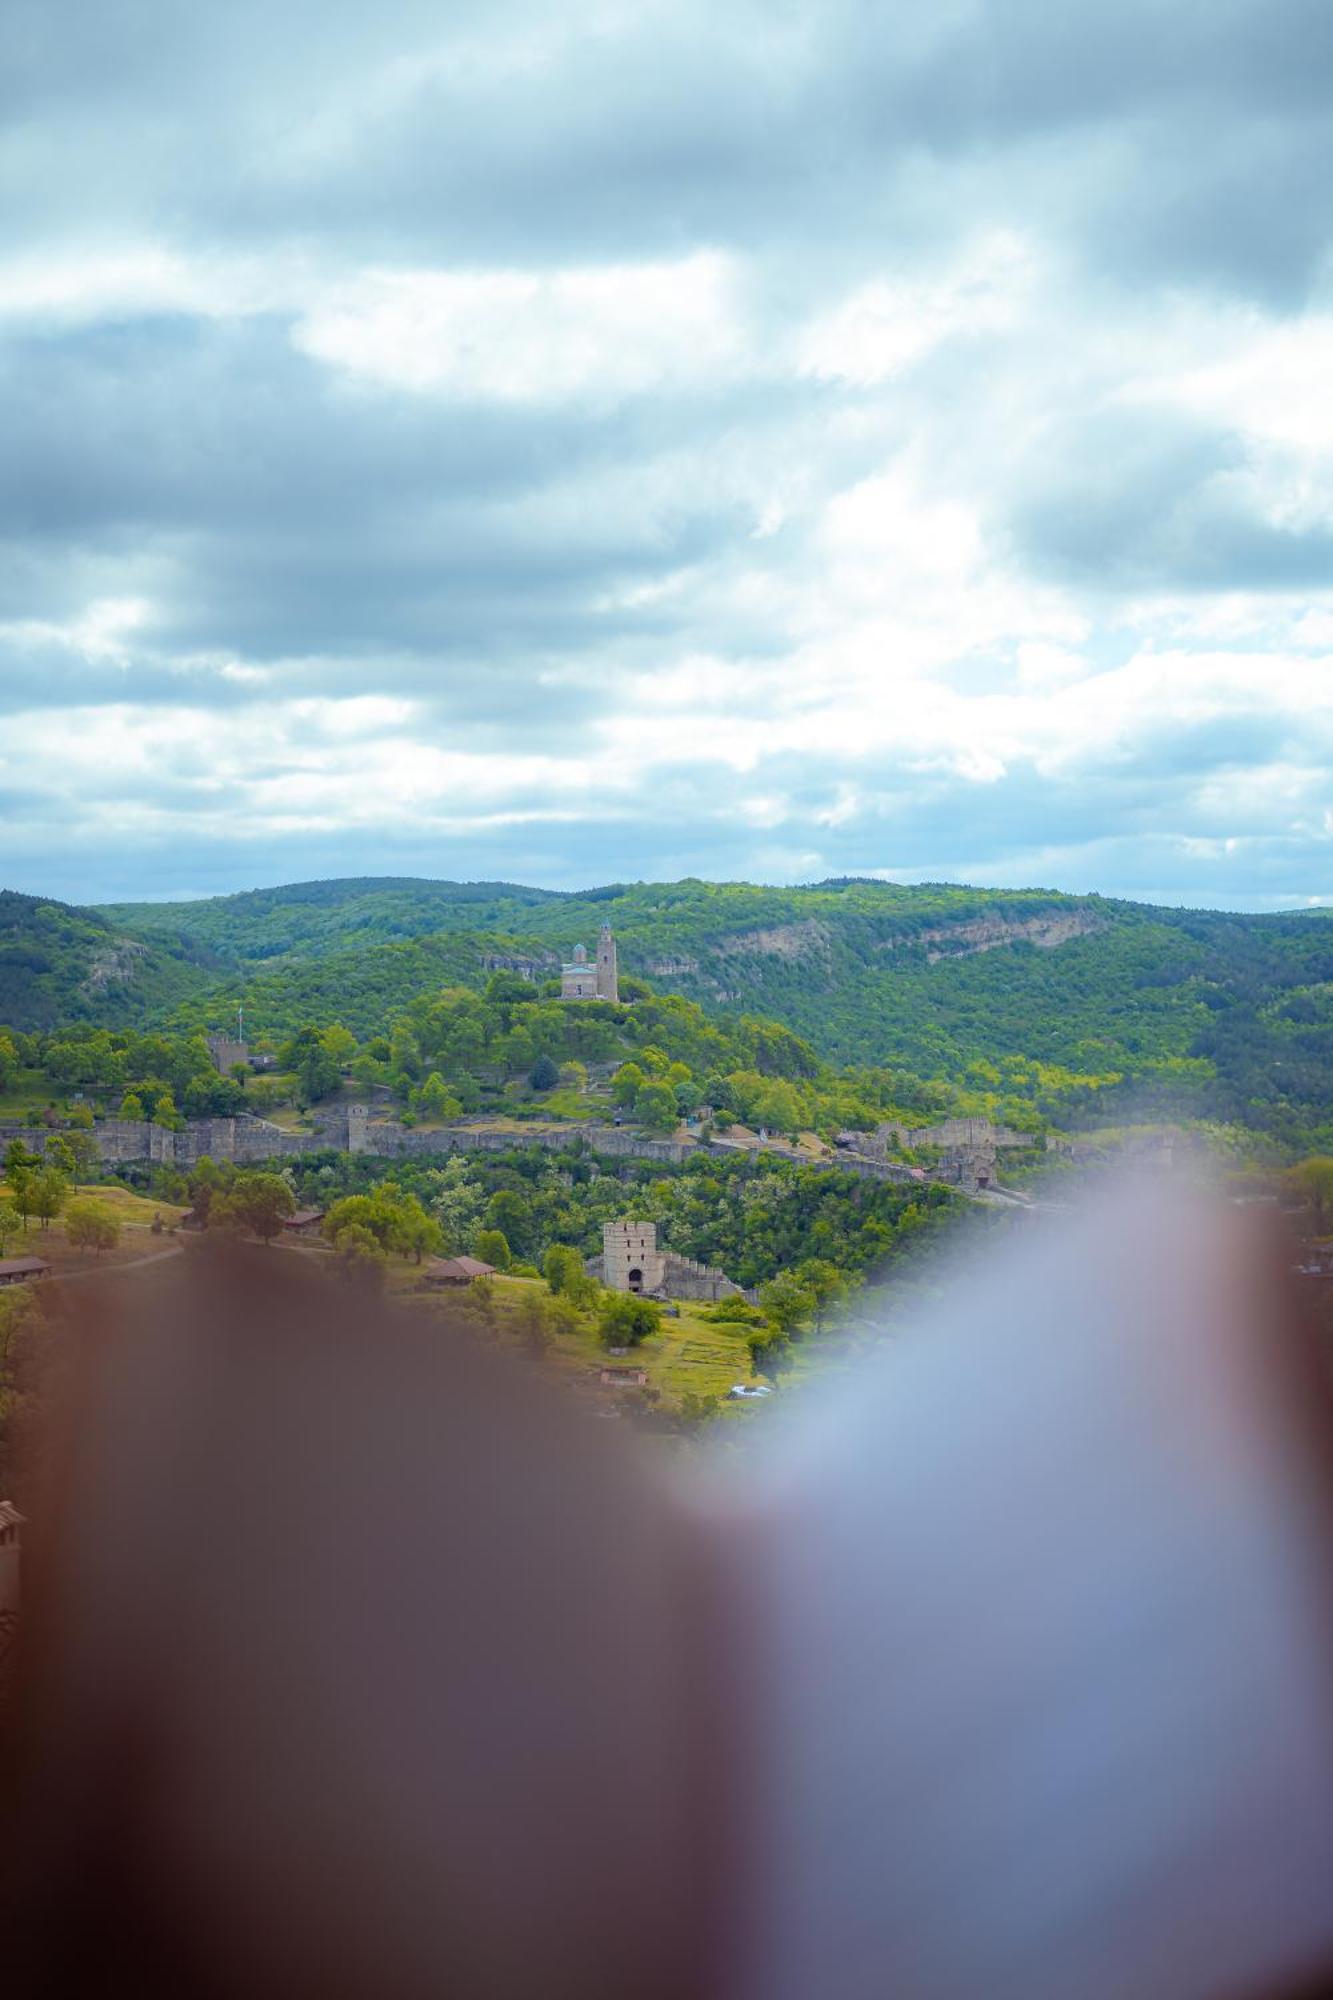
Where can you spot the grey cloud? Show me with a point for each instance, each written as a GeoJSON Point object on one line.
{"type": "Point", "coordinates": [359, 540]}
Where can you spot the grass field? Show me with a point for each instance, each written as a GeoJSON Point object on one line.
{"type": "Point", "coordinates": [688, 1355]}
{"type": "Point", "coordinates": [134, 1212]}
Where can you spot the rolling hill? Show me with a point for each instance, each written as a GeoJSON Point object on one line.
{"type": "Point", "coordinates": [1169, 1011]}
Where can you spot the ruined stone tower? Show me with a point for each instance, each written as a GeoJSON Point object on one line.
{"type": "Point", "coordinates": [608, 981]}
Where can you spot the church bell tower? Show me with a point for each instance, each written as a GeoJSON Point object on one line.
{"type": "Point", "coordinates": [608, 983]}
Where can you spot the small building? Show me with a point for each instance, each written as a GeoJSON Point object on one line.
{"type": "Point", "coordinates": [457, 1271]}
{"type": "Point", "coordinates": [623, 1378]}
{"type": "Point", "coordinates": [305, 1222]}
{"type": "Point", "coordinates": [23, 1270]}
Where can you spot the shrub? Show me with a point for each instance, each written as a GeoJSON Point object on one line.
{"type": "Point", "coordinates": [625, 1319]}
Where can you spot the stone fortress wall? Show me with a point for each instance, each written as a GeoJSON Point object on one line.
{"type": "Point", "coordinates": [250, 1141]}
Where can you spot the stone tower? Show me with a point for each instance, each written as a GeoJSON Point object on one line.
{"type": "Point", "coordinates": [608, 983]}
{"type": "Point", "coordinates": [631, 1260]}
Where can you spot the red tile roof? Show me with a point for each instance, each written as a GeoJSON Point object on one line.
{"type": "Point", "coordinates": [460, 1267]}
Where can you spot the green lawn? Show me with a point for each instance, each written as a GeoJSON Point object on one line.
{"type": "Point", "coordinates": [689, 1354]}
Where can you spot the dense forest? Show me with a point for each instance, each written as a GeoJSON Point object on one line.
{"type": "Point", "coordinates": [752, 1217]}
{"type": "Point", "coordinates": [1081, 1009]}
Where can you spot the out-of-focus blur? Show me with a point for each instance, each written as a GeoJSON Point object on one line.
{"type": "Point", "coordinates": [356, 1660]}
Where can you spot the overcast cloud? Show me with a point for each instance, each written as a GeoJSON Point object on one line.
{"type": "Point", "coordinates": [645, 439]}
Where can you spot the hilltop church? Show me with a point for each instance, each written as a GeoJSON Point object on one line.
{"type": "Point", "coordinates": [583, 981]}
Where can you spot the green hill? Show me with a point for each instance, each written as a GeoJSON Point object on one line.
{"type": "Point", "coordinates": [1082, 1005]}
{"type": "Point", "coordinates": [59, 964]}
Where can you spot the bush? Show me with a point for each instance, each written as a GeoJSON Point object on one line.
{"type": "Point", "coordinates": [625, 1319]}
{"type": "Point", "coordinates": [734, 1311]}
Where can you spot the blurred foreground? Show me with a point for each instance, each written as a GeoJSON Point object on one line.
{"type": "Point", "coordinates": [356, 1660]}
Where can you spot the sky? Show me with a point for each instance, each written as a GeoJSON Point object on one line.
{"type": "Point", "coordinates": [622, 441]}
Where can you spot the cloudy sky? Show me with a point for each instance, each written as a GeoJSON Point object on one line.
{"type": "Point", "coordinates": [575, 444]}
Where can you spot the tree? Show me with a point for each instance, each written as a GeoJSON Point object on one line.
{"type": "Point", "coordinates": [17, 1158]}
{"type": "Point", "coordinates": [45, 1194]}
{"type": "Point", "coordinates": [574, 1075]}
{"type": "Point", "coordinates": [563, 1267]}
{"type": "Point", "coordinates": [74, 1153]}
{"type": "Point", "coordinates": [567, 1278]}
{"type": "Point", "coordinates": [626, 1084]}
{"type": "Point", "coordinates": [508, 1212]}
{"type": "Point", "coordinates": [204, 1185]}
{"type": "Point", "coordinates": [456, 1204]}
{"type": "Point", "coordinates": [131, 1107]}
{"type": "Point", "coordinates": [419, 1232]}
{"type": "Point", "coordinates": [165, 1112]}
{"type": "Point", "coordinates": [770, 1352]}
{"type": "Point", "coordinates": [90, 1225]}
{"type": "Point", "coordinates": [359, 1257]}
{"type": "Point", "coordinates": [492, 1247]}
{"type": "Point", "coordinates": [436, 1100]}
{"type": "Point", "coordinates": [655, 1107]}
{"type": "Point", "coordinates": [786, 1303]}
{"type": "Point", "coordinates": [825, 1283]}
{"type": "Point", "coordinates": [260, 1203]}
{"type": "Point", "coordinates": [340, 1043]}
{"type": "Point", "coordinates": [543, 1075]}
{"type": "Point", "coordinates": [626, 1318]}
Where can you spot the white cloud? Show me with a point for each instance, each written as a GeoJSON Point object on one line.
{"type": "Point", "coordinates": [885, 326]}
{"type": "Point", "coordinates": [600, 331]}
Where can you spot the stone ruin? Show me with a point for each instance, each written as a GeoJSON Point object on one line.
{"type": "Point", "coordinates": [632, 1260]}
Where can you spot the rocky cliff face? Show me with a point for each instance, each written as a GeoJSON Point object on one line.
{"type": "Point", "coordinates": [114, 965]}
{"type": "Point", "coordinates": [805, 939]}
{"type": "Point", "coordinates": [994, 932]}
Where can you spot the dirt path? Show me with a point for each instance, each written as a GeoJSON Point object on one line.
{"type": "Point", "coordinates": [114, 1270]}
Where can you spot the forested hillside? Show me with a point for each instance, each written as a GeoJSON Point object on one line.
{"type": "Point", "coordinates": [61, 964]}
{"type": "Point", "coordinates": [1112, 1007]}
{"type": "Point", "coordinates": [1089, 1007]}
